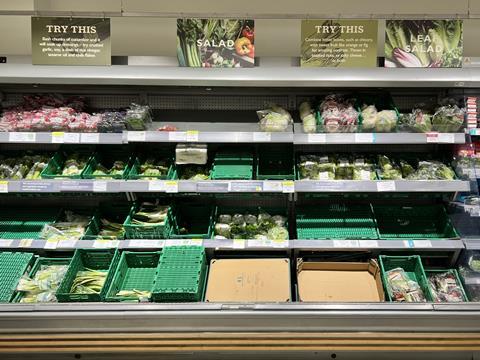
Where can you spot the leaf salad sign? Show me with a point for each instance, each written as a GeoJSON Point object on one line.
{"type": "Point", "coordinates": [424, 43]}
{"type": "Point", "coordinates": [215, 43]}
{"type": "Point", "coordinates": [70, 41]}
{"type": "Point", "coordinates": [339, 43]}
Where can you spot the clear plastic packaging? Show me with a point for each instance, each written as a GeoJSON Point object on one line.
{"type": "Point", "coordinates": [274, 119]}
{"type": "Point", "coordinates": [191, 154]}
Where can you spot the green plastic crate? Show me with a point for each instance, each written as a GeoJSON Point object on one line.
{"type": "Point", "coordinates": [135, 271]}
{"type": "Point", "coordinates": [41, 261]}
{"type": "Point", "coordinates": [54, 168]}
{"type": "Point", "coordinates": [412, 265]}
{"type": "Point", "coordinates": [107, 158]}
{"type": "Point", "coordinates": [112, 212]}
{"type": "Point", "coordinates": [133, 231]}
{"type": "Point", "coordinates": [88, 259]}
{"type": "Point", "coordinates": [451, 271]}
{"type": "Point", "coordinates": [232, 165]}
{"type": "Point", "coordinates": [138, 159]}
{"type": "Point", "coordinates": [414, 222]}
{"type": "Point", "coordinates": [181, 275]}
{"type": "Point", "coordinates": [198, 219]}
{"type": "Point", "coordinates": [336, 221]}
{"type": "Point", "coordinates": [13, 265]}
{"type": "Point", "coordinates": [23, 223]}
{"type": "Point", "coordinates": [179, 170]}
{"type": "Point", "coordinates": [275, 163]}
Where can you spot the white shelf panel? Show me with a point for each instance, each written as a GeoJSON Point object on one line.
{"type": "Point", "coordinates": [60, 138]}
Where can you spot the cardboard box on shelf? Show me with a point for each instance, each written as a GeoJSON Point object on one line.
{"type": "Point", "coordinates": [249, 280]}
{"type": "Point", "coordinates": [339, 282]}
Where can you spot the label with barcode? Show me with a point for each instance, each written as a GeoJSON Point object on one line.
{"type": "Point", "coordinates": [22, 137]}
{"type": "Point", "coordinates": [58, 137]}
{"type": "Point", "coordinates": [262, 137]}
{"type": "Point", "coordinates": [90, 138]}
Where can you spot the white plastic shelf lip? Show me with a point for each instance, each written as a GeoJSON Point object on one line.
{"type": "Point", "coordinates": [287, 76]}
{"type": "Point", "coordinates": [373, 186]}
{"type": "Point", "coordinates": [378, 244]}
{"type": "Point", "coordinates": [60, 138]}
{"type": "Point", "coordinates": [472, 244]}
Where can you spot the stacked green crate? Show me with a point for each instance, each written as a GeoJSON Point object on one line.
{"type": "Point", "coordinates": [413, 222]}
{"type": "Point", "coordinates": [152, 163]}
{"type": "Point", "coordinates": [107, 222]}
{"type": "Point", "coordinates": [69, 162]}
{"type": "Point", "coordinates": [134, 276]}
{"type": "Point", "coordinates": [147, 230]}
{"type": "Point", "coordinates": [86, 260]}
{"type": "Point", "coordinates": [13, 266]}
{"type": "Point", "coordinates": [43, 283]}
{"type": "Point", "coordinates": [335, 221]}
{"type": "Point", "coordinates": [16, 223]}
{"type": "Point", "coordinates": [231, 164]}
{"type": "Point", "coordinates": [189, 221]}
{"type": "Point", "coordinates": [275, 163]}
{"type": "Point", "coordinates": [412, 265]}
{"type": "Point", "coordinates": [109, 162]}
{"type": "Point", "coordinates": [182, 273]}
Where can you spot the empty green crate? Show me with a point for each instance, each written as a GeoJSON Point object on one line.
{"type": "Point", "coordinates": [412, 265]}
{"type": "Point", "coordinates": [181, 274]}
{"type": "Point", "coordinates": [336, 221]}
{"type": "Point", "coordinates": [413, 222]}
{"type": "Point", "coordinates": [107, 158]}
{"type": "Point", "coordinates": [180, 171]}
{"type": "Point", "coordinates": [88, 260]}
{"type": "Point", "coordinates": [275, 163]}
{"type": "Point", "coordinates": [135, 271]}
{"type": "Point", "coordinates": [41, 261]}
{"type": "Point", "coordinates": [231, 165]}
{"type": "Point", "coordinates": [454, 272]}
{"type": "Point", "coordinates": [154, 231]}
{"type": "Point", "coordinates": [116, 213]}
{"type": "Point", "coordinates": [55, 166]}
{"type": "Point", "coordinates": [24, 223]}
{"type": "Point", "coordinates": [196, 219]}
{"type": "Point", "coordinates": [13, 265]}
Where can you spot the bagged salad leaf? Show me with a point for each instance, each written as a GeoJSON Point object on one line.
{"type": "Point", "coordinates": [445, 288]}
{"type": "Point", "coordinates": [388, 169]}
{"type": "Point", "coordinates": [417, 121]}
{"type": "Point", "coordinates": [314, 167]}
{"type": "Point", "coordinates": [44, 284]}
{"type": "Point", "coordinates": [338, 115]}
{"type": "Point", "coordinates": [402, 288]}
{"type": "Point", "coordinates": [308, 118]}
{"type": "Point", "coordinates": [449, 118]}
{"type": "Point", "coordinates": [138, 117]}
{"type": "Point", "coordinates": [432, 170]}
{"type": "Point", "coordinates": [274, 119]}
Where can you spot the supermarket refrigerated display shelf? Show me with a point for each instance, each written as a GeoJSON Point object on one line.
{"type": "Point", "coordinates": [230, 186]}
{"type": "Point", "coordinates": [227, 133]}
{"type": "Point", "coordinates": [229, 244]}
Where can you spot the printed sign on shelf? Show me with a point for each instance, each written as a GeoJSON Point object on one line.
{"type": "Point", "coordinates": [70, 41]}
{"type": "Point", "coordinates": [215, 43]}
{"type": "Point", "coordinates": [424, 43]}
{"type": "Point", "coordinates": [339, 43]}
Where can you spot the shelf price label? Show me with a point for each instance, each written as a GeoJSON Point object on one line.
{"type": "Point", "coordinates": [156, 185]}
{"type": "Point", "coordinates": [239, 243]}
{"type": "Point", "coordinates": [171, 186]}
{"type": "Point", "coordinates": [149, 244]}
{"type": "Point", "coordinates": [177, 136]}
{"type": "Point", "coordinates": [67, 244]}
{"type": "Point", "coordinates": [288, 186]}
{"type": "Point", "coordinates": [346, 244]}
{"type": "Point", "coordinates": [368, 244]}
{"type": "Point", "coordinates": [90, 138]}
{"type": "Point", "coordinates": [192, 135]}
{"type": "Point", "coordinates": [268, 243]}
{"type": "Point", "coordinates": [385, 185]}
{"type": "Point", "coordinates": [273, 186]}
{"type": "Point", "coordinates": [25, 243]}
{"type": "Point", "coordinates": [5, 243]}
{"type": "Point", "coordinates": [51, 244]}
{"type": "Point", "coordinates": [58, 137]}
{"type": "Point", "coordinates": [105, 244]}
{"type": "Point", "coordinates": [432, 137]}
{"type": "Point", "coordinates": [22, 137]}
{"type": "Point", "coordinates": [99, 186]}
{"type": "Point", "coordinates": [262, 137]}
{"type": "Point", "coordinates": [317, 138]}
{"type": "Point", "coordinates": [3, 186]}
{"type": "Point", "coordinates": [365, 138]}
{"type": "Point", "coordinates": [184, 242]}
{"type": "Point", "coordinates": [71, 138]}
{"type": "Point", "coordinates": [446, 138]}
{"type": "Point", "coordinates": [136, 136]}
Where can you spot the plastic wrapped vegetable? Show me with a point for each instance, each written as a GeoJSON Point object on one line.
{"type": "Point", "coordinates": [388, 170]}
{"type": "Point", "coordinates": [274, 119]}
{"type": "Point", "coordinates": [138, 117]}
{"type": "Point", "coordinates": [445, 288]}
{"type": "Point", "coordinates": [338, 115]}
{"type": "Point", "coordinates": [386, 121]}
{"type": "Point", "coordinates": [308, 118]}
{"type": "Point", "coordinates": [432, 170]}
{"type": "Point", "coordinates": [418, 121]}
{"type": "Point", "coordinates": [363, 170]}
{"type": "Point", "coordinates": [44, 284]}
{"type": "Point", "coordinates": [448, 118]}
{"type": "Point", "coordinates": [402, 288]}
{"type": "Point", "coordinates": [191, 154]}
{"type": "Point", "coordinates": [369, 116]}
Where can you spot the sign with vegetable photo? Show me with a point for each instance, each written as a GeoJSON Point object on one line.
{"type": "Point", "coordinates": [339, 43]}
{"type": "Point", "coordinates": [215, 43]}
{"type": "Point", "coordinates": [424, 43]}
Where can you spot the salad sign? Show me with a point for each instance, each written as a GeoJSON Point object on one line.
{"type": "Point", "coordinates": [423, 43]}
{"type": "Point", "coordinates": [215, 43]}
{"type": "Point", "coordinates": [339, 43]}
{"type": "Point", "coordinates": [70, 41]}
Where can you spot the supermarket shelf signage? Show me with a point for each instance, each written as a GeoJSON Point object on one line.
{"type": "Point", "coordinates": [221, 43]}
{"type": "Point", "coordinates": [424, 43]}
{"type": "Point", "coordinates": [339, 43]}
{"type": "Point", "coordinates": [71, 41]}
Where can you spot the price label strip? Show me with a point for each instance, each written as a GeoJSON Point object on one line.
{"type": "Point", "coordinates": [3, 186]}
{"type": "Point", "coordinates": [58, 137]}
{"type": "Point", "coordinates": [192, 135]}
{"type": "Point", "coordinates": [105, 244]}
{"type": "Point", "coordinates": [184, 242]}
{"type": "Point", "coordinates": [288, 186]}
{"type": "Point", "coordinates": [149, 244]}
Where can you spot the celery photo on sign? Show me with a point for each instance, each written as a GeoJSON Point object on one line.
{"type": "Point", "coordinates": [424, 43]}
{"type": "Point", "coordinates": [212, 43]}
